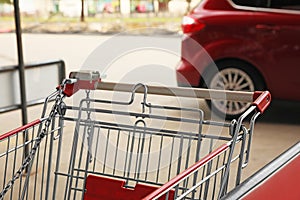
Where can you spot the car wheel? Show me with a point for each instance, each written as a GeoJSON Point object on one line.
{"type": "Point", "coordinates": [237, 76]}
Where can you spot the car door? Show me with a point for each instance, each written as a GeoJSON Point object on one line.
{"type": "Point", "coordinates": [278, 32]}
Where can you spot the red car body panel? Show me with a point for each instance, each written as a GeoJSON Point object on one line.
{"type": "Point", "coordinates": [268, 39]}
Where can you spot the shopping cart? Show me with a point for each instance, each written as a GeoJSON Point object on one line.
{"type": "Point", "coordinates": [104, 147]}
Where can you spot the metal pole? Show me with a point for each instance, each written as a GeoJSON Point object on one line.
{"type": "Point", "coordinates": [21, 74]}
{"type": "Point", "coordinates": [20, 62]}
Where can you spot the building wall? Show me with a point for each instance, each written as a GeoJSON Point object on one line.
{"type": "Point", "coordinates": [180, 6]}
{"type": "Point", "coordinates": [72, 8]}
{"type": "Point", "coordinates": [31, 7]}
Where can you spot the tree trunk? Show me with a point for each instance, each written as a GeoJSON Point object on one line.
{"type": "Point", "coordinates": [82, 11]}
{"type": "Point", "coordinates": [189, 6]}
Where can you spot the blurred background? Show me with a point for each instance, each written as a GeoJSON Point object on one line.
{"type": "Point", "coordinates": [89, 33]}
{"type": "Point", "coordinates": [104, 16]}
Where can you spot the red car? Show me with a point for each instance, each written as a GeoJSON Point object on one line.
{"type": "Point", "coordinates": [242, 45]}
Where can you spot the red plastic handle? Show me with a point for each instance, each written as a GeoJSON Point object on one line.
{"type": "Point", "coordinates": [261, 100]}
{"type": "Point", "coordinates": [20, 129]}
{"type": "Point", "coordinates": [86, 80]}
{"type": "Point", "coordinates": [72, 88]}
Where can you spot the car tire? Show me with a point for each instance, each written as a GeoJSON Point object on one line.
{"type": "Point", "coordinates": [232, 75]}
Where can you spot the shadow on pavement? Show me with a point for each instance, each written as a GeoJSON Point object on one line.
{"type": "Point", "coordinates": [287, 112]}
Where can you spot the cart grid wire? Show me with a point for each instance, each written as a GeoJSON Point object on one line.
{"type": "Point", "coordinates": [130, 141]}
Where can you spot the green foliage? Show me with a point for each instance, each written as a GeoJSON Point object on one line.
{"type": "Point", "coordinates": [5, 1]}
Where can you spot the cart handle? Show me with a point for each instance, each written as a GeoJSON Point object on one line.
{"type": "Point", "coordinates": [260, 99]}
{"type": "Point", "coordinates": [90, 80]}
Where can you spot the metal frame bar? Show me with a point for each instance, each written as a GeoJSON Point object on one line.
{"type": "Point", "coordinates": [61, 76]}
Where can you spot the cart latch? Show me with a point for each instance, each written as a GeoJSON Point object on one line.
{"type": "Point", "coordinates": [86, 80]}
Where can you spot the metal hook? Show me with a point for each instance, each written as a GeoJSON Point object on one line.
{"type": "Point", "coordinates": [58, 134]}
{"type": "Point", "coordinates": [133, 91]}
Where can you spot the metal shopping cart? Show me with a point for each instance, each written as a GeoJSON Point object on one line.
{"type": "Point", "coordinates": [117, 142]}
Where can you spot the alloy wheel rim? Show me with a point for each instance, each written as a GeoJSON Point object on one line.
{"type": "Point", "coordinates": [235, 80]}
